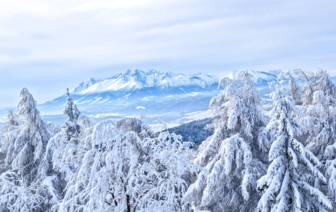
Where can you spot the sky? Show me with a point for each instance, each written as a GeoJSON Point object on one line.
{"type": "Point", "coordinates": [48, 46]}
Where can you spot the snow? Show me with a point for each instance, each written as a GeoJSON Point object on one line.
{"type": "Point", "coordinates": [104, 115]}
{"type": "Point", "coordinates": [158, 127]}
{"type": "Point", "coordinates": [256, 160]}
{"type": "Point", "coordinates": [132, 80]}
{"type": "Point", "coordinates": [188, 117]}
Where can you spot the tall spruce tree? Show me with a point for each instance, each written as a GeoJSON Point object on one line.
{"type": "Point", "coordinates": [285, 187]}
{"type": "Point", "coordinates": [21, 189]}
{"type": "Point", "coordinates": [232, 156]}
{"type": "Point", "coordinates": [320, 125]}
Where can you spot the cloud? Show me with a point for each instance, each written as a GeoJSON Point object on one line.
{"type": "Point", "coordinates": [50, 45]}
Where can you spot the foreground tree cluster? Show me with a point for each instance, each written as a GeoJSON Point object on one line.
{"type": "Point", "coordinates": [280, 157]}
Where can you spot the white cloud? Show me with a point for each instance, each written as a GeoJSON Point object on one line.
{"type": "Point", "coordinates": [50, 45]}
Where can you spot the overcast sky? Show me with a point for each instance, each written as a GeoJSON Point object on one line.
{"type": "Point", "coordinates": [47, 46]}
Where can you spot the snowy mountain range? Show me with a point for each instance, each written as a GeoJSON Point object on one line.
{"type": "Point", "coordinates": [137, 80]}
{"type": "Point", "coordinates": [153, 95]}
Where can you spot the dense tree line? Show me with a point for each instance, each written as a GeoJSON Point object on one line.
{"type": "Point", "coordinates": [255, 160]}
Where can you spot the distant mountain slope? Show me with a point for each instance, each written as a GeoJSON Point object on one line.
{"type": "Point", "coordinates": [137, 80]}
{"type": "Point", "coordinates": [150, 94]}
{"type": "Point", "coordinates": [259, 78]}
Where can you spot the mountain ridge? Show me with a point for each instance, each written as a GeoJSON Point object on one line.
{"type": "Point", "coordinates": [138, 79]}
{"type": "Point", "coordinates": [168, 96]}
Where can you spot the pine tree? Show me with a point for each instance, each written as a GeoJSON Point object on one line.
{"type": "Point", "coordinates": [232, 156]}
{"type": "Point", "coordinates": [71, 126]}
{"type": "Point", "coordinates": [324, 84]}
{"type": "Point", "coordinates": [167, 175]}
{"type": "Point", "coordinates": [285, 186]}
{"type": "Point", "coordinates": [320, 125]}
{"type": "Point", "coordinates": [10, 133]}
{"type": "Point", "coordinates": [295, 89]}
{"type": "Point", "coordinates": [129, 168]}
{"type": "Point", "coordinates": [308, 87]}
{"type": "Point", "coordinates": [12, 119]}
{"type": "Point", "coordinates": [31, 142]}
{"type": "Point", "coordinates": [20, 187]}
{"type": "Point", "coordinates": [63, 158]}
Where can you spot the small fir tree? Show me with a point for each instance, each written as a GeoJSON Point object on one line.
{"type": "Point", "coordinates": [71, 111]}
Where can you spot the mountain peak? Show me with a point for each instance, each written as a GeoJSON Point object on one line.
{"type": "Point", "coordinates": [84, 85]}
{"type": "Point", "coordinates": [137, 79]}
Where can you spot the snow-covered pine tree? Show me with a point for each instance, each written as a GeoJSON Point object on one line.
{"type": "Point", "coordinates": [323, 83]}
{"type": "Point", "coordinates": [295, 89]}
{"type": "Point", "coordinates": [164, 179]}
{"type": "Point", "coordinates": [308, 86]}
{"type": "Point", "coordinates": [320, 125]}
{"type": "Point", "coordinates": [232, 157]}
{"type": "Point", "coordinates": [12, 120]}
{"type": "Point", "coordinates": [63, 158]}
{"type": "Point", "coordinates": [284, 187]}
{"type": "Point", "coordinates": [129, 168]}
{"type": "Point", "coordinates": [31, 142]}
{"type": "Point", "coordinates": [20, 187]}
{"type": "Point", "coordinates": [313, 115]}
{"type": "Point", "coordinates": [7, 139]}
{"type": "Point", "coordinates": [71, 126]}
